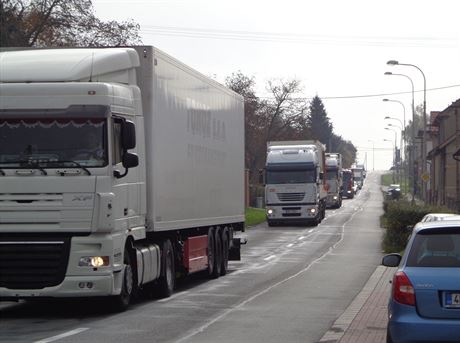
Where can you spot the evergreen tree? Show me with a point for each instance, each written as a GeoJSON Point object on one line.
{"type": "Point", "coordinates": [319, 123]}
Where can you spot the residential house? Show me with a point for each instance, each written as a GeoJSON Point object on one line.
{"type": "Point", "coordinates": [445, 169]}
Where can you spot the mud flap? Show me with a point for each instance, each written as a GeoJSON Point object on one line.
{"type": "Point", "coordinates": [234, 253]}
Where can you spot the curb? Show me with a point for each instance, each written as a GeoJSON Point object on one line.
{"type": "Point", "coordinates": [340, 326]}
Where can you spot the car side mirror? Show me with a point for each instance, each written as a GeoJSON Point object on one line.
{"type": "Point", "coordinates": [391, 260]}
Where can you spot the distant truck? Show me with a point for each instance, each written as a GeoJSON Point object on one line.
{"type": "Point", "coordinates": [333, 180]}
{"type": "Point", "coordinates": [295, 190]}
{"type": "Point", "coordinates": [358, 176]}
{"type": "Point", "coordinates": [348, 184]}
{"type": "Point", "coordinates": [120, 168]}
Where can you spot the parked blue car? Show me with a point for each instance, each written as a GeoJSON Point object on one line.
{"type": "Point", "coordinates": [424, 304]}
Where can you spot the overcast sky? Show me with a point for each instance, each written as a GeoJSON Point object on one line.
{"type": "Point", "coordinates": [338, 49]}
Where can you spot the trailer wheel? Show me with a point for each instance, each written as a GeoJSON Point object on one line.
{"type": "Point", "coordinates": [121, 301]}
{"type": "Point", "coordinates": [225, 247]}
{"type": "Point", "coordinates": [217, 254]}
{"type": "Point", "coordinates": [211, 252]}
{"type": "Point", "coordinates": [168, 275]}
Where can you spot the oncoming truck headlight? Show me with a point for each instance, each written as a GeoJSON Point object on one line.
{"type": "Point", "coordinates": [312, 210]}
{"type": "Point", "coordinates": [269, 211]}
{"type": "Point", "coordinates": [335, 197]}
{"type": "Point", "coordinates": [93, 261]}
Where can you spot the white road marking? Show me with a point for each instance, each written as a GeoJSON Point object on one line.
{"type": "Point", "coordinates": [311, 230]}
{"type": "Point", "coordinates": [290, 245]}
{"type": "Point", "coordinates": [266, 290]}
{"type": "Point", "coordinates": [62, 335]}
{"type": "Point", "coordinates": [300, 238]}
{"type": "Point", "coordinates": [269, 257]}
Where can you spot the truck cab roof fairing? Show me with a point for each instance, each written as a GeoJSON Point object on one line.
{"type": "Point", "coordinates": [64, 65]}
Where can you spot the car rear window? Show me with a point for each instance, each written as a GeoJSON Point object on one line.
{"type": "Point", "coordinates": [435, 249]}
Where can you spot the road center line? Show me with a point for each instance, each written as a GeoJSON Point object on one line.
{"type": "Point", "coordinates": [62, 335]}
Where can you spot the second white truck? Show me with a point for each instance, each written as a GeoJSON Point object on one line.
{"type": "Point", "coordinates": [334, 180]}
{"type": "Point", "coordinates": [295, 186]}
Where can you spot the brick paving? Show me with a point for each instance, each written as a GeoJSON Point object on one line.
{"type": "Point", "coordinates": [365, 320]}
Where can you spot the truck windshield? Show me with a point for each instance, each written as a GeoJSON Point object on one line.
{"type": "Point", "coordinates": [331, 175]}
{"type": "Point", "coordinates": [53, 142]}
{"type": "Point", "coordinates": [291, 176]}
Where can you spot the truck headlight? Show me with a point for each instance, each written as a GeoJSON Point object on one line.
{"type": "Point", "coordinates": [94, 261]}
{"type": "Point", "coordinates": [335, 197]}
{"type": "Point", "coordinates": [269, 211]}
{"type": "Point", "coordinates": [312, 210]}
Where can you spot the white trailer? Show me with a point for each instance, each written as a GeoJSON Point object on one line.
{"type": "Point", "coordinates": [119, 168]}
{"type": "Point", "coordinates": [295, 190]}
{"type": "Point", "coordinates": [334, 180]}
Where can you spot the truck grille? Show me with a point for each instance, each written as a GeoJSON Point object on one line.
{"type": "Point", "coordinates": [290, 196]}
{"type": "Point", "coordinates": [33, 263]}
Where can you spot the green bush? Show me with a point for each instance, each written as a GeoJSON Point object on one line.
{"type": "Point", "coordinates": [398, 219]}
{"type": "Point", "coordinates": [254, 216]}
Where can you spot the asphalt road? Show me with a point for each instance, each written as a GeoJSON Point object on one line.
{"type": "Point", "coordinates": [290, 286]}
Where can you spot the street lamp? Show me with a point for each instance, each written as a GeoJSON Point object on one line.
{"type": "Point", "coordinates": [389, 127]}
{"type": "Point", "coordinates": [392, 63]}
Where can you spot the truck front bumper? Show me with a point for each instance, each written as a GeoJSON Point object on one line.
{"type": "Point", "coordinates": [288, 212]}
{"type": "Point", "coordinates": [72, 286]}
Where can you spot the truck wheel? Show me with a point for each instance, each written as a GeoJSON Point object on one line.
{"type": "Point", "coordinates": [168, 275]}
{"type": "Point", "coordinates": [225, 247]}
{"type": "Point", "coordinates": [211, 252]}
{"type": "Point", "coordinates": [121, 301]}
{"type": "Point", "coordinates": [217, 254]}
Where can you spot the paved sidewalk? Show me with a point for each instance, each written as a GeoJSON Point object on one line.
{"type": "Point", "coordinates": [365, 320]}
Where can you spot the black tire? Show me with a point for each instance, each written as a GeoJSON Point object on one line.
{"type": "Point", "coordinates": [211, 252]}
{"type": "Point", "coordinates": [121, 302]}
{"type": "Point", "coordinates": [389, 340]}
{"type": "Point", "coordinates": [225, 247]}
{"type": "Point", "coordinates": [217, 254]}
{"type": "Point", "coordinates": [167, 280]}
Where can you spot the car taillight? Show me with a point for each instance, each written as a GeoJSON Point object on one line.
{"type": "Point", "coordinates": [403, 291]}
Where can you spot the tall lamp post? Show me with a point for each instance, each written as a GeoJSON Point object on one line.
{"type": "Point", "coordinates": [393, 63]}
{"type": "Point", "coordinates": [389, 127]}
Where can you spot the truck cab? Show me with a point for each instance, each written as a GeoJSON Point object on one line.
{"type": "Point", "coordinates": [295, 185]}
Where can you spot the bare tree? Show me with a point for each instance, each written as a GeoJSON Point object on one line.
{"type": "Point", "coordinates": [60, 23]}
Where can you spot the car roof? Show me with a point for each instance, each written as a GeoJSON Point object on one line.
{"type": "Point", "coordinates": [439, 216]}
{"type": "Point", "coordinates": [440, 225]}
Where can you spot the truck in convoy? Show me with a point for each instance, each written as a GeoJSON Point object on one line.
{"type": "Point", "coordinates": [348, 189]}
{"type": "Point", "coordinates": [358, 176]}
{"type": "Point", "coordinates": [120, 168]}
{"type": "Point", "coordinates": [295, 186]}
{"type": "Point", "coordinates": [334, 180]}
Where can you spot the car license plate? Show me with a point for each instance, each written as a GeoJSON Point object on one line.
{"type": "Point", "coordinates": [452, 299]}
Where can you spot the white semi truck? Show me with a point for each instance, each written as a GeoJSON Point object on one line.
{"type": "Point", "coordinates": [120, 168]}
{"type": "Point", "coordinates": [334, 180]}
{"type": "Point", "coordinates": [295, 186]}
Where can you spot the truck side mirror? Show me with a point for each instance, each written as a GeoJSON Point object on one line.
{"type": "Point", "coordinates": [130, 160]}
{"type": "Point", "coordinates": [128, 135]}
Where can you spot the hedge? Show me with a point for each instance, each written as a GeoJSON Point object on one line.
{"type": "Point", "coordinates": [399, 218]}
